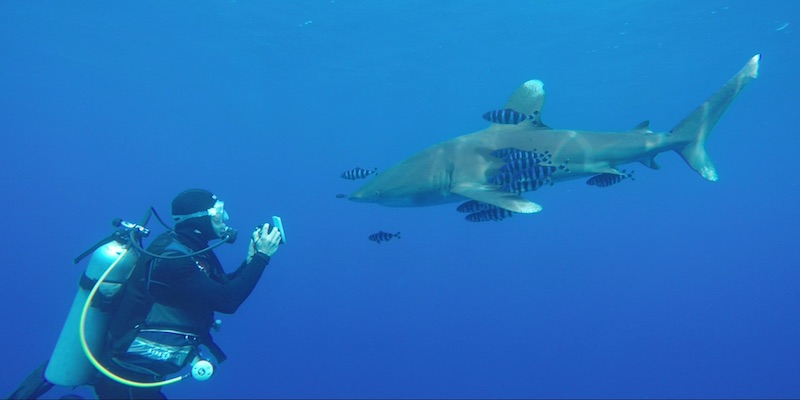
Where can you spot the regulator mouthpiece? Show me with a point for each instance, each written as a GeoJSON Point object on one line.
{"type": "Point", "coordinates": [230, 234]}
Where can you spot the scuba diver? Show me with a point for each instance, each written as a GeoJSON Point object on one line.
{"type": "Point", "coordinates": [163, 313]}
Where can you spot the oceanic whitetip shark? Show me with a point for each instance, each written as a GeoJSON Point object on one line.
{"type": "Point", "coordinates": [462, 168]}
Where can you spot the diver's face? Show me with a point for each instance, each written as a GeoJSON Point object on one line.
{"type": "Point", "coordinates": [218, 226]}
{"type": "Point", "coordinates": [218, 218]}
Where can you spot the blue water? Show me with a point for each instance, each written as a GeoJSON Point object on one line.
{"type": "Point", "coordinates": [666, 286]}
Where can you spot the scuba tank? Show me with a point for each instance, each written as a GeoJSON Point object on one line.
{"type": "Point", "coordinates": [84, 334]}
{"type": "Point", "coordinates": [69, 366]}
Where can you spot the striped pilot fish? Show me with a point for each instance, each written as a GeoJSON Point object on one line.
{"type": "Point", "coordinates": [382, 236]}
{"type": "Point", "coordinates": [539, 173]}
{"type": "Point", "coordinates": [521, 185]}
{"type": "Point", "coordinates": [492, 213]}
{"type": "Point", "coordinates": [358, 173]}
{"type": "Point", "coordinates": [605, 180]}
{"type": "Point", "coordinates": [506, 116]}
{"type": "Point", "coordinates": [473, 206]}
{"type": "Point", "coordinates": [510, 153]}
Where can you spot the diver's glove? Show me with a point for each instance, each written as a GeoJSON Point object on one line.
{"type": "Point", "coordinates": [266, 244]}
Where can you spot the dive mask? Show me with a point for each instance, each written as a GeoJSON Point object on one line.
{"type": "Point", "coordinates": [217, 213]}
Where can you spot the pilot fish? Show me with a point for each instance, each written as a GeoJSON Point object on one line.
{"type": "Point", "coordinates": [505, 116]}
{"type": "Point", "coordinates": [473, 206]}
{"type": "Point", "coordinates": [604, 180]}
{"type": "Point", "coordinates": [358, 173]}
{"type": "Point", "coordinates": [382, 236]}
{"type": "Point", "coordinates": [490, 214]}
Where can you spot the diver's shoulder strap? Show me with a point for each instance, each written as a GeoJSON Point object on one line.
{"type": "Point", "coordinates": [173, 249]}
{"type": "Point", "coordinates": [177, 247]}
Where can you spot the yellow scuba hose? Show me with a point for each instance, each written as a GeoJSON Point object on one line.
{"type": "Point", "coordinates": [88, 352]}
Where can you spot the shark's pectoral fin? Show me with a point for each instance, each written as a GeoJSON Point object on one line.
{"type": "Point", "coordinates": [491, 195]}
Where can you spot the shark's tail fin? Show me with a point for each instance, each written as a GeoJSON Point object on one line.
{"type": "Point", "coordinates": [696, 127]}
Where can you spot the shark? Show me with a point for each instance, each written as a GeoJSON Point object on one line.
{"type": "Point", "coordinates": [461, 168]}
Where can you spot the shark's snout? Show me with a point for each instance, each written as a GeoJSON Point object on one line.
{"type": "Point", "coordinates": [363, 196]}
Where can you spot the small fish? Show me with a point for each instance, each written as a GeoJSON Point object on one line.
{"type": "Point", "coordinates": [505, 116]}
{"type": "Point", "coordinates": [341, 196]}
{"type": "Point", "coordinates": [514, 179]}
{"type": "Point", "coordinates": [505, 152]}
{"type": "Point", "coordinates": [358, 173]}
{"type": "Point", "coordinates": [501, 178]}
{"type": "Point", "coordinates": [473, 206]}
{"type": "Point", "coordinates": [526, 185]}
{"type": "Point", "coordinates": [605, 180]}
{"type": "Point", "coordinates": [542, 168]}
{"type": "Point", "coordinates": [491, 214]}
{"type": "Point", "coordinates": [382, 236]}
{"type": "Point", "coordinates": [531, 157]}
{"type": "Point", "coordinates": [534, 155]}
{"type": "Point", "coordinates": [535, 173]}
{"type": "Point", "coordinates": [513, 166]}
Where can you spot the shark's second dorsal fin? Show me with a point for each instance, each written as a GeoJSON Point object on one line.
{"type": "Point", "coordinates": [490, 195]}
{"type": "Point", "coordinates": [643, 126]}
{"type": "Point", "coordinates": [529, 100]}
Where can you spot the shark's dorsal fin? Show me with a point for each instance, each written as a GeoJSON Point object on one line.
{"type": "Point", "coordinates": [491, 195]}
{"type": "Point", "coordinates": [643, 126]}
{"type": "Point", "coordinates": [529, 100]}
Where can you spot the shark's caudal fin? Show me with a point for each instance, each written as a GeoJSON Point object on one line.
{"type": "Point", "coordinates": [696, 127]}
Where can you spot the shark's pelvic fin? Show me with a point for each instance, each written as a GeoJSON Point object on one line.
{"type": "Point", "coordinates": [650, 163]}
{"type": "Point", "coordinates": [529, 100]}
{"type": "Point", "coordinates": [696, 127]}
{"type": "Point", "coordinates": [491, 195]}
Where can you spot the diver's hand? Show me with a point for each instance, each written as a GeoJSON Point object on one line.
{"type": "Point", "coordinates": [264, 243]}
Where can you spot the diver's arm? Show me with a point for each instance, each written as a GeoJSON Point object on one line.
{"type": "Point", "coordinates": [184, 284]}
{"type": "Point", "coordinates": [188, 285]}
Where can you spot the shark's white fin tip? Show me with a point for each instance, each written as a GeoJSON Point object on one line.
{"type": "Point", "coordinates": [753, 65]}
{"type": "Point", "coordinates": [533, 208]}
{"type": "Point", "coordinates": [535, 86]}
{"type": "Point", "coordinates": [710, 173]}
{"type": "Point", "coordinates": [528, 98]}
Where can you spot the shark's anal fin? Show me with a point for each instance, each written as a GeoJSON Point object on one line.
{"type": "Point", "coordinates": [650, 163]}
{"type": "Point", "coordinates": [491, 195]}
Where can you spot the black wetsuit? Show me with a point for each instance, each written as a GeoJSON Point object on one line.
{"type": "Point", "coordinates": [187, 292]}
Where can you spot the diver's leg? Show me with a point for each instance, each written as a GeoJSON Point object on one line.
{"type": "Point", "coordinates": [33, 386]}
{"type": "Point", "coordinates": [105, 388]}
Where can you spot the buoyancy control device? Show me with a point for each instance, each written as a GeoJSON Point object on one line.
{"type": "Point", "coordinates": [83, 337]}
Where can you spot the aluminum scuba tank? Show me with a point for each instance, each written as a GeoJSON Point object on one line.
{"type": "Point", "coordinates": [69, 366]}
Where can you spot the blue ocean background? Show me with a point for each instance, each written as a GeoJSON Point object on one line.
{"type": "Point", "coordinates": [668, 286]}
